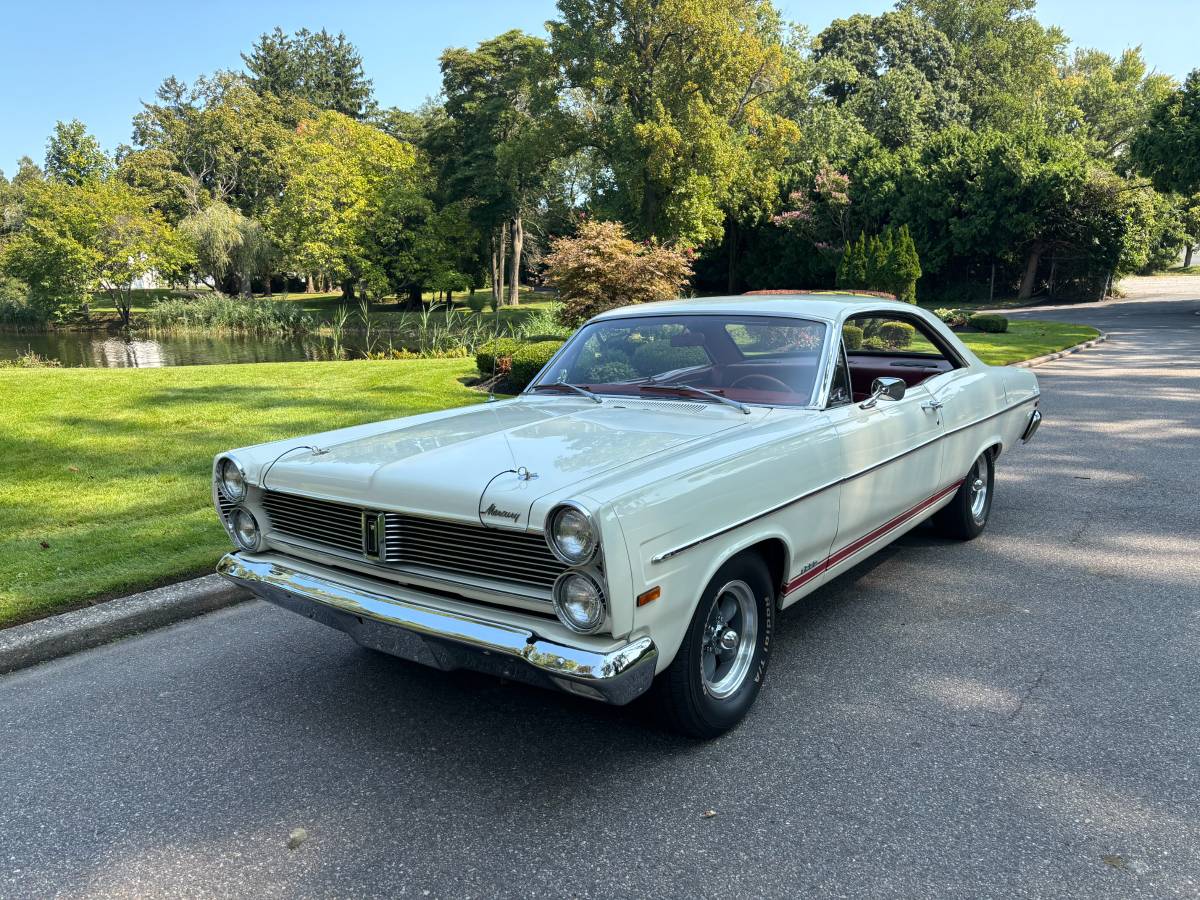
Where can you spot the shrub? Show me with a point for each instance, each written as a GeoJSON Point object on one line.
{"type": "Point", "coordinates": [30, 360]}
{"type": "Point", "coordinates": [653, 357]}
{"type": "Point", "coordinates": [952, 317]}
{"type": "Point", "coordinates": [989, 323]}
{"type": "Point", "coordinates": [229, 314]}
{"type": "Point", "coordinates": [544, 325]}
{"type": "Point", "coordinates": [874, 343]}
{"type": "Point", "coordinates": [612, 371]}
{"type": "Point", "coordinates": [896, 334]}
{"type": "Point", "coordinates": [477, 303]}
{"type": "Point", "coordinates": [601, 268]}
{"type": "Point", "coordinates": [528, 360]}
{"type": "Point", "coordinates": [853, 336]}
{"type": "Point", "coordinates": [494, 356]}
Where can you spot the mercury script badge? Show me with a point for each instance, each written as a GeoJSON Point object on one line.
{"type": "Point", "coordinates": [492, 510]}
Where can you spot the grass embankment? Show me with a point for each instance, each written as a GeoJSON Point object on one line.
{"type": "Point", "coordinates": [106, 472]}
{"type": "Point", "coordinates": [1026, 339]}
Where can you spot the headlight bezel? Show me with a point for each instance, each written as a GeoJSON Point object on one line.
{"type": "Point", "coordinates": [557, 594]}
{"type": "Point", "coordinates": [222, 484]}
{"type": "Point", "coordinates": [236, 532]}
{"type": "Point", "coordinates": [552, 542]}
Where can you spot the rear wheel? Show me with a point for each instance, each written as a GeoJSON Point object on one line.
{"type": "Point", "coordinates": [965, 517]}
{"type": "Point", "coordinates": [716, 675]}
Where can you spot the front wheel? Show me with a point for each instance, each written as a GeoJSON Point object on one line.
{"type": "Point", "coordinates": [716, 675]}
{"type": "Point", "coordinates": [965, 517]}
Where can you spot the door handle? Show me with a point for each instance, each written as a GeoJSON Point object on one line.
{"type": "Point", "coordinates": [935, 405]}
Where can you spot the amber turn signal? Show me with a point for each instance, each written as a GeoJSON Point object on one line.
{"type": "Point", "coordinates": [649, 596]}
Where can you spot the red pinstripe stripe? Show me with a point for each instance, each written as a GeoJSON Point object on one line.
{"type": "Point", "coordinates": [850, 549]}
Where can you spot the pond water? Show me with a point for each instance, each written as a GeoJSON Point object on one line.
{"type": "Point", "coordinates": [115, 351]}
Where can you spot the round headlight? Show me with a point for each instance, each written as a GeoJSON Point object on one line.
{"type": "Point", "coordinates": [245, 529]}
{"type": "Point", "coordinates": [572, 536]}
{"type": "Point", "coordinates": [579, 602]}
{"type": "Point", "coordinates": [231, 480]}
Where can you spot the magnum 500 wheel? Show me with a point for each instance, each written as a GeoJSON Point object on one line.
{"type": "Point", "coordinates": [717, 673]}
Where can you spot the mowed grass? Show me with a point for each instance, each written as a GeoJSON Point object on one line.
{"type": "Point", "coordinates": [1026, 339]}
{"type": "Point", "coordinates": [104, 485]}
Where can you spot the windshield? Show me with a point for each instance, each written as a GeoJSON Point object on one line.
{"type": "Point", "coordinates": [769, 360]}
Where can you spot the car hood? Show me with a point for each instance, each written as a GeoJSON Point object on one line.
{"type": "Point", "coordinates": [491, 461]}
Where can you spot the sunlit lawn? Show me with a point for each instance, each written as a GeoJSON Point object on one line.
{"type": "Point", "coordinates": [105, 485]}
{"type": "Point", "coordinates": [1026, 339]}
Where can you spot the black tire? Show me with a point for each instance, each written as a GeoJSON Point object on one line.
{"type": "Point", "coordinates": [963, 518]}
{"type": "Point", "coordinates": [682, 692]}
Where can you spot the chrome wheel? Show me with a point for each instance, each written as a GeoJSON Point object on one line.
{"type": "Point", "coordinates": [977, 483]}
{"type": "Point", "coordinates": [729, 638]}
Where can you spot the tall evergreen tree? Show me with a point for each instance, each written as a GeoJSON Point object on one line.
{"type": "Point", "coordinates": [323, 69]}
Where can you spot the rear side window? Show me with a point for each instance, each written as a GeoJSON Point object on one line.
{"type": "Point", "coordinates": [891, 335]}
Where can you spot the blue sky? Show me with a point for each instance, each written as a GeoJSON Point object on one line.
{"type": "Point", "coordinates": [96, 61]}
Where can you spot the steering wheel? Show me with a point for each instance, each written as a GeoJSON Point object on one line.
{"type": "Point", "coordinates": [772, 383]}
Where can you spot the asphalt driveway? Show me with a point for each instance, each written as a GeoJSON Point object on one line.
{"type": "Point", "coordinates": [1017, 716]}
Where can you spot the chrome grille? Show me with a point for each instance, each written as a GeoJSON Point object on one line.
{"type": "Point", "coordinates": [224, 506]}
{"type": "Point", "coordinates": [320, 521]}
{"type": "Point", "coordinates": [451, 548]}
{"type": "Point", "coordinates": [459, 548]}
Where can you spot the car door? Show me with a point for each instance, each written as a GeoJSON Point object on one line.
{"type": "Point", "coordinates": [891, 463]}
{"type": "Point", "coordinates": [964, 396]}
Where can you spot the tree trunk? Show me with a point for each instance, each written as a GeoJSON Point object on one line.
{"type": "Point", "coordinates": [731, 235]}
{"type": "Point", "coordinates": [499, 253]}
{"type": "Point", "coordinates": [1031, 267]}
{"type": "Point", "coordinates": [309, 286]}
{"type": "Point", "coordinates": [245, 280]}
{"type": "Point", "coordinates": [267, 282]}
{"type": "Point", "coordinates": [1187, 256]}
{"type": "Point", "coordinates": [348, 290]}
{"type": "Point", "coordinates": [518, 244]}
{"type": "Point", "coordinates": [649, 211]}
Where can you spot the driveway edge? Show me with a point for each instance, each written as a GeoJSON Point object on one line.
{"type": "Point", "coordinates": [66, 633]}
{"type": "Point", "coordinates": [1050, 357]}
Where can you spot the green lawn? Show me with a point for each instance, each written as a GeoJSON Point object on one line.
{"type": "Point", "coordinates": [106, 471]}
{"type": "Point", "coordinates": [1026, 339]}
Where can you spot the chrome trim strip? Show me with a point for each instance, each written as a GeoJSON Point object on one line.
{"type": "Point", "coordinates": [661, 557]}
{"type": "Point", "coordinates": [615, 676]}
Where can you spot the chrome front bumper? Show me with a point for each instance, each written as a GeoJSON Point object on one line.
{"type": "Point", "coordinates": [408, 624]}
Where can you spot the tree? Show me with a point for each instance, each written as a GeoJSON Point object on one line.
{"type": "Point", "coordinates": [1009, 61]}
{"type": "Point", "coordinates": [671, 94]}
{"type": "Point", "coordinates": [226, 243]}
{"type": "Point", "coordinates": [76, 241]}
{"type": "Point", "coordinates": [225, 139]}
{"type": "Point", "coordinates": [895, 72]}
{"type": "Point", "coordinates": [73, 155]}
{"type": "Point", "coordinates": [321, 69]}
{"type": "Point", "coordinates": [340, 176]}
{"type": "Point", "coordinates": [904, 266]}
{"type": "Point", "coordinates": [1189, 220]}
{"type": "Point", "coordinates": [602, 269]}
{"type": "Point", "coordinates": [1111, 99]}
{"type": "Point", "coordinates": [1168, 150]}
{"type": "Point", "coordinates": [502, 109]}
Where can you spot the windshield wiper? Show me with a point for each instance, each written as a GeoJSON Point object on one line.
{"type": "Point", "coordinates": [679, 386]}
{"type": "Point", "coordinates": [566, 384]}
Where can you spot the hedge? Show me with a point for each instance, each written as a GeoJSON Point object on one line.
{"type": "Point", "coordinates": [655, 357]}
{"type": "Point", "coordinates": [853, 336]}
{"type": "Point", "coordinates": [896, 334]}
{"type": "Point", "coordinates": [989, 323]}
{"type": "Point", "coordinates": [528, 360]}
{"type": "Point", "coordinates": [488, 356]}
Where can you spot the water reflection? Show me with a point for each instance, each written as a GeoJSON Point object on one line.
{"type": "Point", "coordinates": [121, 352]}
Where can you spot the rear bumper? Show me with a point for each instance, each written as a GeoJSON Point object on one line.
{"type": "Point", "coordinates": [408, 624]}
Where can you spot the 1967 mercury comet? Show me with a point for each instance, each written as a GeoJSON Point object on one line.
{"type": "Point", "coordinates": [674, 476]}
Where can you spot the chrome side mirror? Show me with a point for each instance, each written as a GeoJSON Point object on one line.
{"type": "Point", "coordinates": [884, 389]}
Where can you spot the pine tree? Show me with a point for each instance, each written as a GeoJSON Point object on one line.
{"type": "Point", "coordinates": [876, 265]}
{"type": "Point", "coordinates": [857, 268]}
{"type": "Point", "coordinates": [844, 266]}
{"type": "Point", "coordinates": [887, 263]}
{"type": "Point", "coordinates": [908, 266]}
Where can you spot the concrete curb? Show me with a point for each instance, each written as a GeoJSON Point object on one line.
{"type": "Point", "coordinates": [82, 629]}
{"type": "Point", "coordinates": [1050, 357]}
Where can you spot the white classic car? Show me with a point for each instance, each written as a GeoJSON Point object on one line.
{"type": "Point", "coordinates": [674, 476]}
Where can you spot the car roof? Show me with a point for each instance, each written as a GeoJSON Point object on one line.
{"type": "Point", "coordinates": [830, 306]}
